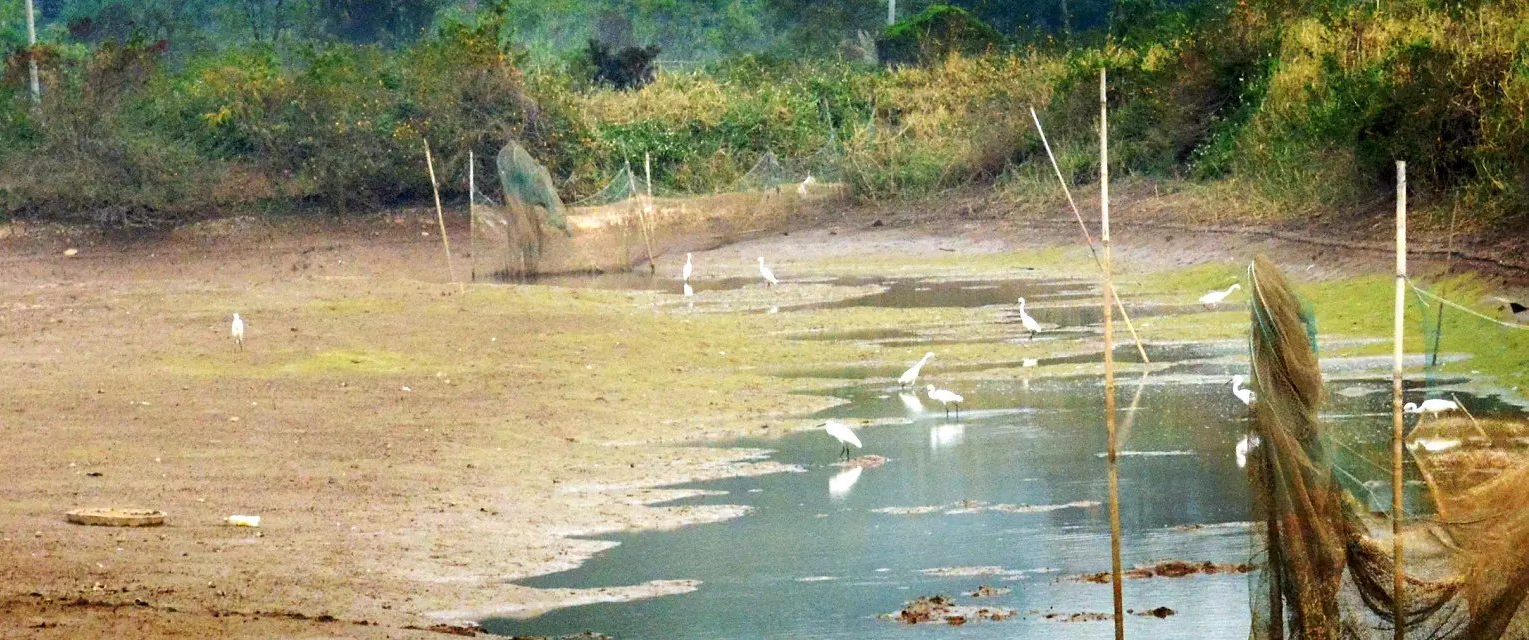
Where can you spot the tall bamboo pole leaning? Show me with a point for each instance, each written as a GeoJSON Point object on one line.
{"type": "Point", "coordinates": [32, 52]}
{"type": "Point", "coordinates": [1397, 595]}
{"type": "Point", "coordinates": [440, 215]}
{"type": "Point", "coordinates": [642, 219]}
{"type": "Point", "coordinates": [1109, 357]}
{"type": "Point", "coordinates": [1087, 237]}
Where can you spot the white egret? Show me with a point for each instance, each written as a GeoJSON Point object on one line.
{"type": "Point", "coordinates": [1431, 406]}
{"type": "Point", "coordinates": [1247, 396]}
{"type": "Point", "coordinates": [842, 482]}
{"type": "Point", "coordinates": [908, 377]}
{"type": "Point", "coordinates": [1244, 447]}
{"type": "Point", "coordinates": [1029, 362]}
{"type": "Point", "coordinates": [1030, 324]}
{"type": "Point", "coordinates": [237, 331]}
{"type": "Point", "coordinates": [767, 274]}
{"type": "Point", "coordinates": [1215, 297]}
{"type": "Point", "coordinates": [688, 269]}
{"type": "Point", "coordinates": [843, 434]}
{"type": "Point", "coordinates": [945, 397]}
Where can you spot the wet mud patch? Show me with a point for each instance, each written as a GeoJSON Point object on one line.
{"type": "Point", "coordinates": [1168, 569]}
{"type": "Point", "coordinates": [943, 610]}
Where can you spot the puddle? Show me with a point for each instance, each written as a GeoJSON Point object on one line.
{"type": "Point", "coordinates": [913, 293]}
{"type": "Point", "coordinates": [640, 281]}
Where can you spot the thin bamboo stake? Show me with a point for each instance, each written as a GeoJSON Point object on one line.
{"type": "Point", "coordinates": [1087, 237]}
{"type": "Point", "coordinates": [472, 221]}
{"type": "Point", "coordinates": [1399, 622]}
{"type": "Point", "coordinates": [652, 229]}
{"type": "Point", "coordinates": [440, 215]}
{"type": "Point", "coordinates": [32, 53]}
{"type": "Point", "coordinates": [1449, 267]}
{"type": "Point", "coordinates": [1109, 358]}
{"type": "Point", "coordinates": [642, 219]}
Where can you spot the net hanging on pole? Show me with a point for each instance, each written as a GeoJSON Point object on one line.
{"type": "Point", "coordinates": [508, 235]}
{"type": "Point", "coordinates": [1327, 559]}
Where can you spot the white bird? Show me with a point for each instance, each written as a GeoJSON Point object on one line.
{"type": "Point", "coordinates": [688, 290]}
{"type": "Point", "coordinates": [1030, 324]}
{"type": "Point", "coordinates": [237, 331]}
{"type": "Point", "coordinates": [1247, 396]}
{"type": "Point", "coordinates": [911, 375]}
{"type": "Point", "coordinates": [945, 397]}
{"type": "Point", "coordinates": [801, 189]}
{"type": "Point", "coordinates": [843, 434]}
{"type": "Point", "coordinates": [1431, 406]}
{"type": "Point", "coordinates": [688, 269]}
{"type": "Point", "coordinates": [1244, 447]}
{"type": "Point", "coordinates": [842, 482]}
{"type": "Point", "coordinates": [1215, 297]}
{"type": "Point", "coordinates": [766, 273]}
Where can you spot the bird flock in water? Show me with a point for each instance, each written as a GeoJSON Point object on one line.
{"type": "Point", "coordinates": [845, 435]}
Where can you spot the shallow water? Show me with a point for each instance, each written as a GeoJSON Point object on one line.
{"type": "Point", "coordinates": [1014, 482]}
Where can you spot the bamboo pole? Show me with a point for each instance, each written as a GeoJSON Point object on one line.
{"type": "Point", "coordinates": [1087, 237]}
{"type": "Point", "coordinates": [32, 53]}
{"type": "Point", "coordinates": [472, 220]}
{"type": "Point", "coordinates": [1109, 358]}
{"type": "Point", "coordinates": [1399, 621]}
{"type": "Point", "coordinates": [642, 219]}
{"type": "Point", "coordinates": [440, 215]}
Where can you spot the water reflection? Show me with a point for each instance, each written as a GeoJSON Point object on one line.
{"type": "Point", "coordinates": [911, 403]}
{"type": "Point", "coordinates": [945, 436]}
{"type": "Point", "coordinates": [842, 482]}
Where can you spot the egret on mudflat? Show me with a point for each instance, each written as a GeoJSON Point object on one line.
{"type": "Point", "coordinates": [843, 434]}
{"type": "Point", "coordinates": [767, 274]}
{"type": "Point", "coordinates": [237, 331]}
{"type": "Point", "coordinates": [945, 397]}
{"type": "Point", "coordinates": [688, 269]}
{"type": "Point", "coordinates": [1247, 396]}
{"type": "Point", "coordinates": [1431, 406]}
{"type": "Point", "coordinates": [1029, 322]}
{"type": "Point", "coordinates": [1215, 297]}
{"type": "Point", "coordinates": [908, 377]}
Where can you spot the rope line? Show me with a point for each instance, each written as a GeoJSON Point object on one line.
{"type": "Point", "coordinates": [1460, 307]}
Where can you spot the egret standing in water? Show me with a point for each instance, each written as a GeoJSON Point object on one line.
{"type": "Point", "coordinates": [237, 331]}
{"type": "Point", "coordinates": [1030, 324]}
{"type": "Point", "coordinates": [911, 375]}
{"type": "Point", "coordinates": [843, 434]}
{"type": "Point", "coordinates": [1249, 441]}
{"type": "Point", "coordinates": [687, 269]}
{"type": "Point", "coordinates": [1215, 297]}
{"type": "Point", "coordinates": [945, 397]}
{"type": "Point", "coordinates": [1431, 406]}
{"type": "Point", "coordinates": [1247, 396]}
{"type": "Point", "coordinates": [767, 274]}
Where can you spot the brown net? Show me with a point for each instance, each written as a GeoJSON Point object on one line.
{"type": "Point", "coordinates": [1328, 564]}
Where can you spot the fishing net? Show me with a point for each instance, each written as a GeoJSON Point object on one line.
{"type": "Point", "coordinates": [508, 235]}
{"type": "Point", "coordinates": [1327, 560]}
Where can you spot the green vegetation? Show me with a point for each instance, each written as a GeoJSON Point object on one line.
{"type": "Point", "coordinates": [163, 111]}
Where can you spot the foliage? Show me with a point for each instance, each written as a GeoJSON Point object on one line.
{"type": "Point", "coordinates": [628, 68]}
{"type": "Point", "coordinates": [936, 32]}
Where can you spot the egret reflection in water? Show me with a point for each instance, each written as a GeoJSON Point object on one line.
{"type": "Point", "coordinates": [945, 436]}
{"type": "Point", "coordinates": [911, 402]}
{"type": "Point", "coordinates": [840, 485]}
